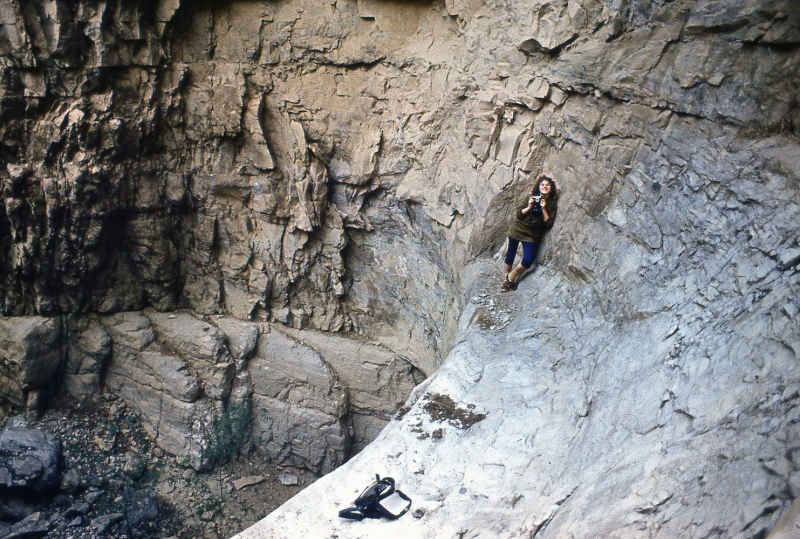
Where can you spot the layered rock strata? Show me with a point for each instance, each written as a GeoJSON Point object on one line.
{"type": "Point", "coordinates": [205, 387]}
{"type": "Point", "coordinates": [340, 168]}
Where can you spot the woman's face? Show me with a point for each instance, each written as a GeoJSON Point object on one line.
{"type": "Point", "coordinates": [544, 187]}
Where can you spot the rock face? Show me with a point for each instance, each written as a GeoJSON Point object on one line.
{"type": "Point", "coordinates": [30, 355]}
{"type": "Point", "coordinates": [200, 192]}
{"type": "Point", "coordinates": [378, 381]}
{"type": "Point", "coordinates": [88, 349]}
{"type": "Point", "coordinates": [173, 173]}
{"type": "Point", "coordinates": [203, 387]}
{"type": "Point", "coordinates": [299, 404]}
{"type": "Point", "coordinates": [178, 394]}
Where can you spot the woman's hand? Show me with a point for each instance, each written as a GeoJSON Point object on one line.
{"type": "Point", "coordinates": [543, 203]}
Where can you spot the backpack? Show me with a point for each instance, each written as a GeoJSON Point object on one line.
{"type": "Point", "coordinates": [380, 499]}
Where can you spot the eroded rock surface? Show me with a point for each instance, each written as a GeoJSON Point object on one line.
{"type": "Point", "coordinates": [294, 390]}
{"type": "Point", "coordinates": [30, 356]}
{"type": "Point", "coordinates": [588, 431]}
{"type": "Point", "coordinates": [185, 182]}
{"type": "Point", "coordinates": [378, 380]}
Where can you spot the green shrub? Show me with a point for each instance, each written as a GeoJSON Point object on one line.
{"type": "Point", "coordinates": [227, 433]}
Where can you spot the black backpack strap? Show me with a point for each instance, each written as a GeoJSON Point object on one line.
{"type": "Point", "coordinates": [378, 490]}
{"type": "Point", "coordinates": [352, 513]}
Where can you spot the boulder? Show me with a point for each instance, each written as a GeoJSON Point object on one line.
{"type": "Point", "coordinates": [143, 507]}
{"type": "Point", "coordinates": [103, 523]}
{"type": "Point", "coordinates": [30, 460]}
{"type": "Point", "coordinates": [35, 525]}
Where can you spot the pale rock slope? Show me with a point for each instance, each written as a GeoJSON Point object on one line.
{"type": "Point", "coordinates": [626, 400]}
{"type": "Point", "coordinates": [643, 382]}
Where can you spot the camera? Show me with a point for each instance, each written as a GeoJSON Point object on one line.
{"type": "Point", "coordinates": [537, 198]}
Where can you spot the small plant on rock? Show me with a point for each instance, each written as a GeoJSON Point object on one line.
{"type": "Point", "coordinates": [226, 433]}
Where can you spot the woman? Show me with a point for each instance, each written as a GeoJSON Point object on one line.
{"type": "Point", "coordinates": [532, 221]}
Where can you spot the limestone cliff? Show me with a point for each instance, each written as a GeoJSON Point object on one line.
{"type": "Point", "coordinates": [197, 194]}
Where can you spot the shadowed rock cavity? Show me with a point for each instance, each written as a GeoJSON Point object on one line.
{"type": "Point", "coordinates": [166, 206]}
{"type": "Point", "coordinates": [267, 222]}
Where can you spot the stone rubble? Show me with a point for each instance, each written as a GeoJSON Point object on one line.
{"type": "Point", "coordinates": [243, 482]}
{"type": "Point", "coordinates": [154, 494]}
{"type": "Point", "coordinates": [288, 479]}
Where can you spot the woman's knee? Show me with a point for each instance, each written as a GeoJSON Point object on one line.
{"type": "Point", "coordinates": [528, 254]}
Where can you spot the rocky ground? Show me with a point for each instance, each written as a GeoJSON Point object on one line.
{"type": "Point", "coordinates": [115, 483]}
{"type": "Point", "coordinates": [493, 444]}
{"type": "Point", "coordinates": [210, 205]}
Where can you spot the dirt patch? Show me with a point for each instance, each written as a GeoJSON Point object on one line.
{"type": "Point", "coordinates": [443, 408]}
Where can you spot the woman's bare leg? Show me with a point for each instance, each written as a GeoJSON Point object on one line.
{"type": "Point", "coordinates": [518, 271]}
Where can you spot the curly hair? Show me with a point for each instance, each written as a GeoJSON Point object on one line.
{"type": "Point", "coordinates": [553, 189]}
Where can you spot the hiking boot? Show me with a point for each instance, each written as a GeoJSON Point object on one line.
{"type": "Point", "coordinates": [508, 285]}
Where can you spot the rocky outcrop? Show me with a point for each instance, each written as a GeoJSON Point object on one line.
{"type": "Point", "coordinates": [378, 381]}
{"type": "Point", "coordinates": [30, 356]}
{"type": "Point", "coordinates": [175, 399]}
{"type": "Point", "coordinates": [641, 381]}
{"type": "Point", "coordinates": [287, 166]}
{"type": "Point", "coordinates": [206, 387]}
{"type": "Point", "coordinates": [300, 404]}
{"type": "Point", "coordinates": [88, 349]}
